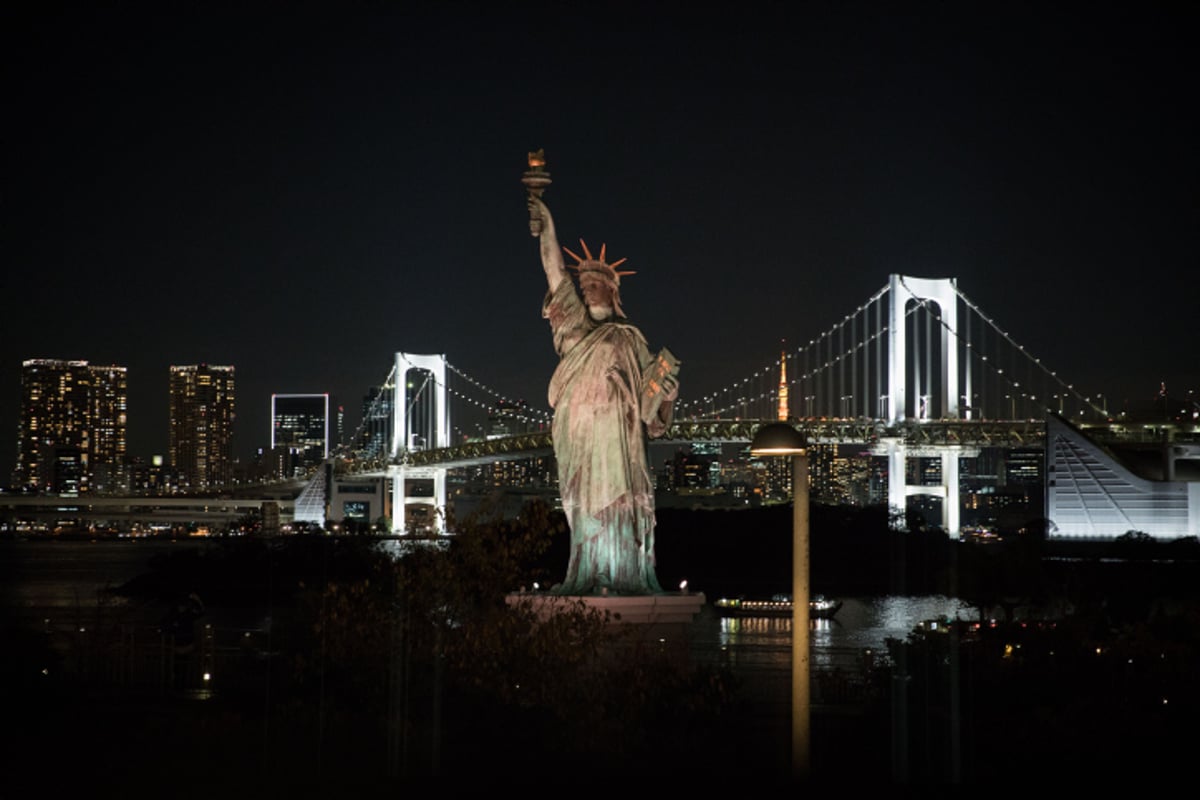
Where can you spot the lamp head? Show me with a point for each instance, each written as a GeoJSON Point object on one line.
{"type": "Point", "coordinates": [778, 439]}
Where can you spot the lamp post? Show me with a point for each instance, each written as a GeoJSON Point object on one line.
{"type": "Point", "coordinates": [781, 439]}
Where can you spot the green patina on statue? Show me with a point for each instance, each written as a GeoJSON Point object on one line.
{"type": "Point", "coordinates": [609, 393]}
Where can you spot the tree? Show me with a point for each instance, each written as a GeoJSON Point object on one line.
{"type": "Point", "coordinates": [457, 664]}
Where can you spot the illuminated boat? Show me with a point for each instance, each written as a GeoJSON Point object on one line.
{"type": "Point", "coordinates": [780, 605]}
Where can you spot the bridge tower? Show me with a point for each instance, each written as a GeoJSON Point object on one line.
{"type": "Point", "coordinates": [420, 421]}
{"type": "Point", "coordinates": [943, 293]}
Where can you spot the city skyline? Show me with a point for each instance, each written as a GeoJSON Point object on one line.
{"type": "Point", "coordinates": [303, 195]}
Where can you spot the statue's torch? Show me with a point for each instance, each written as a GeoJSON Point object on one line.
{"type": "Point", "coordinates": [536, 179]}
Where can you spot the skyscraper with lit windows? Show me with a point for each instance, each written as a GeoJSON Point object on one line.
{"type": "Point", "coordinates": [109, 406]}
{"type": "Point", "coordinates": [301, 423]}
{"type": "Point", "coordinates": [72, 426]}
{"type": "Point", "coordinates": [201, 424]}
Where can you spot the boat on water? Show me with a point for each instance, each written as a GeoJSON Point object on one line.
{"type": "Point", "coordinates": [780, 605]}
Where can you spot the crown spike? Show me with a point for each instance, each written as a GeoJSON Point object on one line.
{"type": "Point", "coordinates": [594, 264]}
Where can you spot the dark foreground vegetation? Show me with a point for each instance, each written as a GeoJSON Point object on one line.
{"type": "Point", "coordinates": [374, 673]}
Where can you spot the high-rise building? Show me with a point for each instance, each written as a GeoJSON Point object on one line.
{"type": "Point", "coordinates": [301, 424]}
{"type": "Point", "coordinates": [1023, 468]}
{"type": "Point", "coordinates": [833, 475]}
{"type": "Point", "coordinates": [375, 432]}
{"type": "Point", "coordinates": [73, 422]}
{"type": "Point", "coordinates": [202, 415]}
{"type": "Point", "coordinates": [110, 463]}
{"type": "Point", "coordinates": [508, 418]}
{"type": "Point", "coordinates": [691, 469]}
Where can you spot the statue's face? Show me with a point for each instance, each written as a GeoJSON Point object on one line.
{"type": "Point", "coordinates": [598, 297]}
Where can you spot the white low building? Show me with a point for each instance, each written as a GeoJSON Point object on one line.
{"type": "Point", "coordinates": [1091, 493]}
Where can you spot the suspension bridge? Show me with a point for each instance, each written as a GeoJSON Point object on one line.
{"type": "Point", "coordinates": [917, 370]}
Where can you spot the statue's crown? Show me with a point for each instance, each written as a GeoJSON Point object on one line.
{"type": "Point", "coordinates": [598, 264]}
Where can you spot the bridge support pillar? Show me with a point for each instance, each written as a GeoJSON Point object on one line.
{"type": "Point", "coordinates": [951, 511]}
{"type": "Point", "coordinates": [418, 511]}
{"type": "Point", "coordinates": [897, 490]}
{"type": "Point", "coordinates": [897, 453]}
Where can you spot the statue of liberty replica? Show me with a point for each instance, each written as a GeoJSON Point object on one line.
{"type": "Point", "coordinates": [610, 394]}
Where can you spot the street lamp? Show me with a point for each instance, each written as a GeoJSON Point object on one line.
{"type": "Point", "coordinates": [781, 439]}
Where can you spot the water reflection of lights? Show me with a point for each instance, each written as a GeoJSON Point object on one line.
{"type": "Point", "coordinates": [822, 632]}
{"type": "Point", "coordinates": [735, 630]}
{"type": "Point", "coordinates": [904, 612]}
{"type": "Point", "coordinates": [858, 635]}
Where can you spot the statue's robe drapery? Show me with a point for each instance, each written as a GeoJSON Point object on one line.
{"type": "Point", "coordinates": [600, 445]}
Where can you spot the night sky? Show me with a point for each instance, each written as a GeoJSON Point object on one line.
{"type": "Point", "coordinates": [301, 191]}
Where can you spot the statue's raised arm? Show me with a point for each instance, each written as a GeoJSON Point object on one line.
{"type": "Point", "coordinates": [552, 259]}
